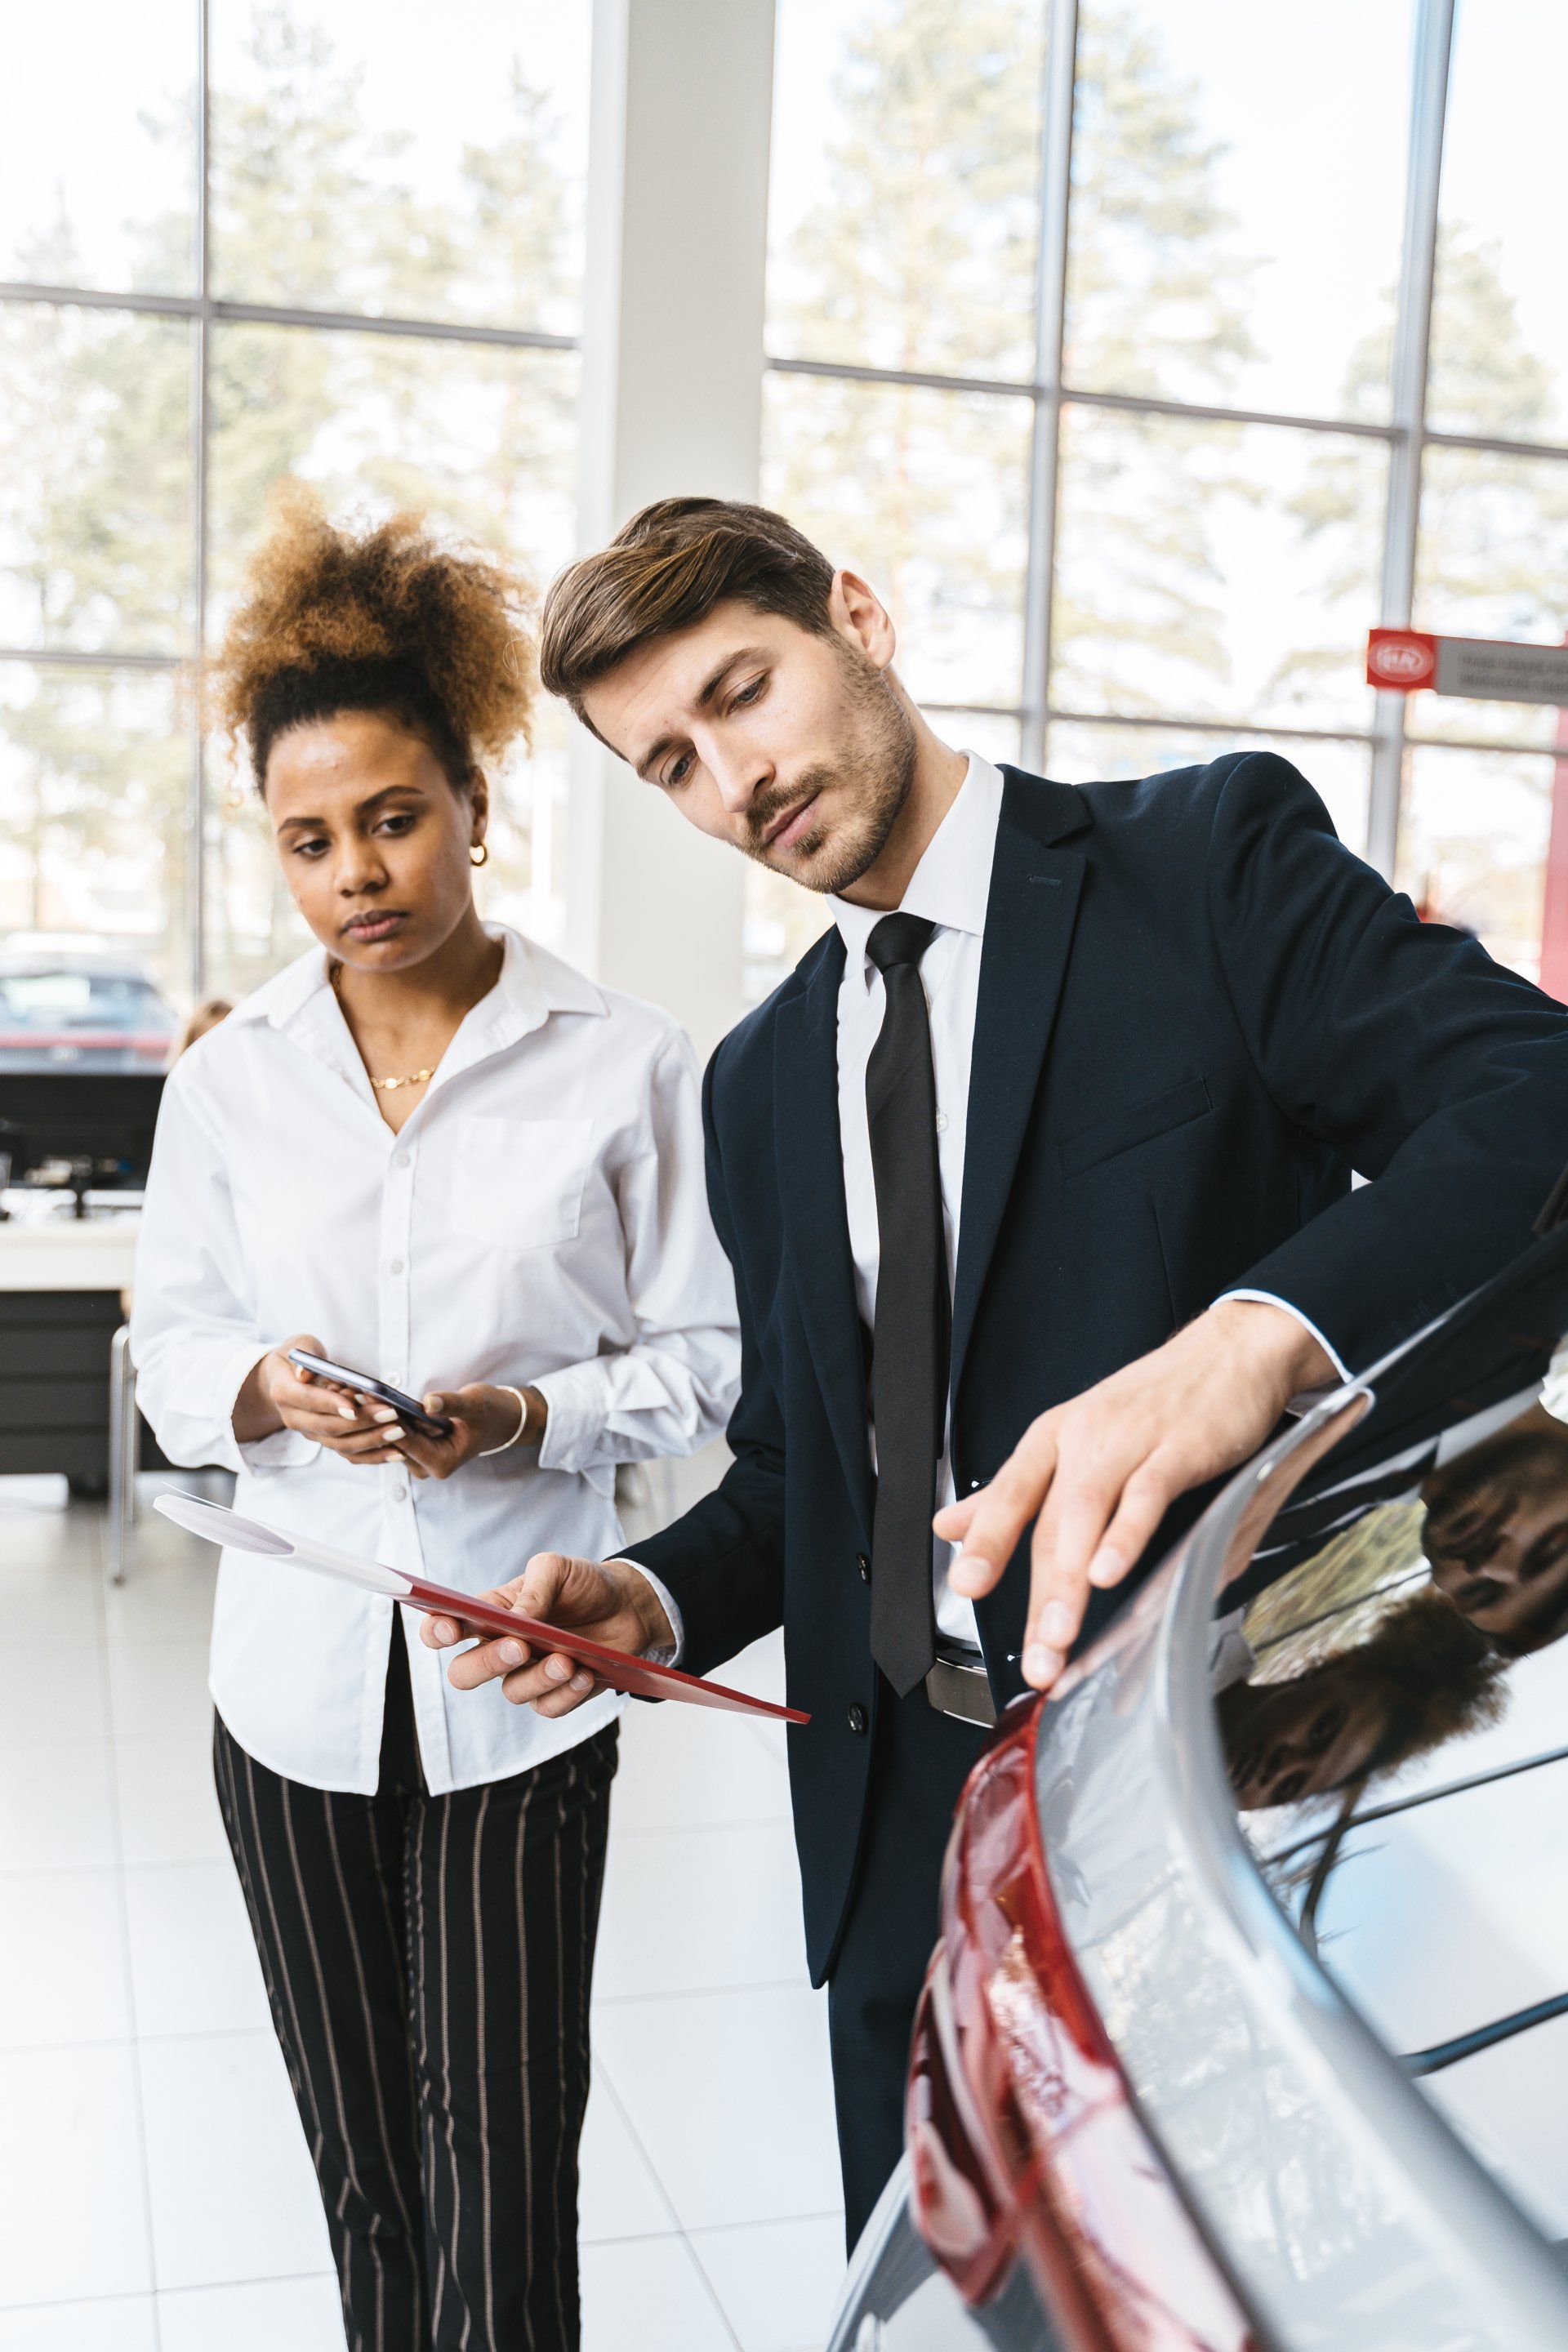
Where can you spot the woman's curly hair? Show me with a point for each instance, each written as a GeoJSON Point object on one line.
{"type": "Point", "coordinates": [389, 620]}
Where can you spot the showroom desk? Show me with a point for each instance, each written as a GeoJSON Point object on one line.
{"type": "Point", "coordinates": [66, 1395]}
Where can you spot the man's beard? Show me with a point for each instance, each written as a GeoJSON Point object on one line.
{"type": "Point", "coordinates": [873, 781]}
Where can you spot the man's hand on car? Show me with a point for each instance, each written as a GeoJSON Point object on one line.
{"type": "Point", "coordinates": [1101, 1471]}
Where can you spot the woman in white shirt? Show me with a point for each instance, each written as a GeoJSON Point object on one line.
{"type": "Point", "coordinates": [438, 1155]}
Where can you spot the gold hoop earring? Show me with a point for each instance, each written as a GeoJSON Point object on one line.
{"type": "Point", "coordinates": [478, 854]}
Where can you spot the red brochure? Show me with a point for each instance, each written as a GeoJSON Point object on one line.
{"type": "Point", "coordinates": [621, 1672]}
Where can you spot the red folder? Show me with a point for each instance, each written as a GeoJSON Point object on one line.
{"type": "Point", "coordinates": [615, 1668]}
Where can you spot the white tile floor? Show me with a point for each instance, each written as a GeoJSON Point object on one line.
{"type": "Point", "coordinates": [155, 2194]}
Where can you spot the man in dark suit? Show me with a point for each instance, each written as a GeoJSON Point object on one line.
{"type": "Point", "coordinates": [1036, 1180]}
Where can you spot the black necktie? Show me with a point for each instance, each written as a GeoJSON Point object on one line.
{"type": "Point", "coordinates": [909, 1353]}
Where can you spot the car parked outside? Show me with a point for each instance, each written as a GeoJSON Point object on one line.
{"type": "Point", "coordinates": [65, 1008]}
{"type": "Point", "coordinates": [1248, 2022]}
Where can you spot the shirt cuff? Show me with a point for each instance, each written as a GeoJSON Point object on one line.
{"type": "Point", "coordinates": [668, 1653]}
{"type": "Point", "coordinates": [1307, 1398]}
{"type": "Point", "coordinates": [574, 1429]}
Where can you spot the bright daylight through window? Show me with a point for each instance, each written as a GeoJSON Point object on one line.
{"type": "Point", "coordinates": [1112, 421]}
{"type": "Point", "coordinates": [350, 255]}
{"type": "Point", "coordinates": [1155, 387]}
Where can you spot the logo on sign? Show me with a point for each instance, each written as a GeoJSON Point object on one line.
{"type": "Point", "coordinates": [1400, 661]}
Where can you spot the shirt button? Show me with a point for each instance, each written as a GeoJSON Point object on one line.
{"type": "Point", "coordinates": [941, 1122]}
{"type": "Point", "coordinates": [864, 1565]}
{"type": "Point", "coordinates": [401, 1160]}
{"type": "Point", "coordinates": [856, 1718]}
{"type": "Point", "coordinates": [396, 1267]}
{"type": "Point", "coordinates": [400, 1492]}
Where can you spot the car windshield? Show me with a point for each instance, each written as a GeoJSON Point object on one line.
{"type": "Point", "coordinates": [1390, 1676]}
{"type": "Point", "coordinates": [55, 1002]}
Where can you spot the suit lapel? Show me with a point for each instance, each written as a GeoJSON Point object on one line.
{"type": "Point", "coordinates": [816, 1227]}
{"type": "Point", "coordinates": [1029, 918]}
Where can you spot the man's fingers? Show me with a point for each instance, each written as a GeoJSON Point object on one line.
{"type": "Point", "coordinates": [555, 1687]}
{"type": "Point", "coordinates": [1146, 1497]}
{"type": "Point", "coordinates": [487, 1662]}
{"type": "Point", "coordinates": [1003, 1510]}
{"type": "Point", "coordinates": [1070, 1526]}
{"type": "Point", "coordinates": [952, 1521]}
{"type": "Point", "coordinates": [1086, 1544]}
{"type": "Point", "coordinates": [537, 1588]}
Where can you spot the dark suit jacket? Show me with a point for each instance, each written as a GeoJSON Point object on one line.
{"type": "Point", "coordinates": [1197, 1013]}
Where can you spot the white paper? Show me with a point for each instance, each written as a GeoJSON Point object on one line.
{"type": "Point", "coordinates": [218, 1525]}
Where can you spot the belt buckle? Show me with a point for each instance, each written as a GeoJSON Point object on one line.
{"type": "Point", "coordinates": [964, 1691]}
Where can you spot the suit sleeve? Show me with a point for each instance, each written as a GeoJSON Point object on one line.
{"type": "Point", "coordinates": [1438, 1074]}
{"type": "Point", "coordinates": [722, 1561]}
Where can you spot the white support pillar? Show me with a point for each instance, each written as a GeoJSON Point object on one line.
{"type": "Point", "coordinates": [682, 104]}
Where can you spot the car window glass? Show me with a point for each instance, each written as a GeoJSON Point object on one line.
{"type": "Point", "coordinates": [46, 999]}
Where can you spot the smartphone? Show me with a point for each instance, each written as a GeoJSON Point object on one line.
{"type": "Point", "coordinates": [428, 1424]}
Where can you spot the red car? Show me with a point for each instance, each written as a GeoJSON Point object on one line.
{"type": "Point", "coordinates": [1248, 2022]}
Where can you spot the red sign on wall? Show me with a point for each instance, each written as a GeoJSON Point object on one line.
{"type": "Point", "coordinates": [1477, 669]}
{"type": "Point", "coordinates": [1399, 660]}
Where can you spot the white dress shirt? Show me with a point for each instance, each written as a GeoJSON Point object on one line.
{"type": "Point", "coordinates": [951, 886]}
{"type": "Point", "coordinates": [540, 1220]}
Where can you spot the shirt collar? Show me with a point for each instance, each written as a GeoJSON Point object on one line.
{"type": "Point", "coordinates": [952, 884]}
{"type": "Point", "coordinates": [532, 984]}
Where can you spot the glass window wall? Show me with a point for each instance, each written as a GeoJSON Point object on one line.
{"type": "Point", "coordinates": [165, 360]}
{"type": "Point", "coordinates": [1153, 521]}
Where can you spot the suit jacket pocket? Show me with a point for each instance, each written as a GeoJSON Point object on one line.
{"type": "Point", "coordinates": [1138, 1122]}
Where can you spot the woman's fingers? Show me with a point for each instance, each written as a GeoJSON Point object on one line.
{"type": "Point", "coordinates": [363, 1442]}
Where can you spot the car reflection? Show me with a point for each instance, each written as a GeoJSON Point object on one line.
{"type": "Point", "coordinates": [1496, 1533]}
{"type": "Point", "coordinates": [1390, 1700]}
{"type": "Point", "coordinates": [1421, 1677]}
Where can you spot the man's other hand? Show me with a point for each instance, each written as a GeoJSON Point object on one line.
{"type": "Point", "coordinates": [1101, 1471]}
{"type": "Point", "coordinates": [605, 1600]}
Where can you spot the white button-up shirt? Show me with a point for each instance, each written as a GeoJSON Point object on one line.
{"type": "Point", "coordinates": [540, 1220]}
{"type": "Point", "coordinates": [949, 888]}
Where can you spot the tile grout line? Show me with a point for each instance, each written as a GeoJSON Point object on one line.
{"type": "Point", "coordinates": [152, 2293]}
{"type": "Point", "coordinates": [604, 2075]}
{"type": "Point", "coordinates": [711, 2292]}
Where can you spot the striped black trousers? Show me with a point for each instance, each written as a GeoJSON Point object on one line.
{"type": "Point", "coordinates": [429, 1962]}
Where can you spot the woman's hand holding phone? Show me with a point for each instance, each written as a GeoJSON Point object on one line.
{"type": "Point", "coordinates": [280, 1395]}
{"type": "Point", "coordinates": [484, 1420]}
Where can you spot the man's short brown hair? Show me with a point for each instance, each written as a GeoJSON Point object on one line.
{"type": "Point", "coordinates": [666, 570]}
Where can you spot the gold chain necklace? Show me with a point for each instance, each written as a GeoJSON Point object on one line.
{"type": "Point", "coordinates": [382, 1086]}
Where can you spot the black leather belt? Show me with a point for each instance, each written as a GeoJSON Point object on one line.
{"type": "Point", "coordinates": [961, 1690]}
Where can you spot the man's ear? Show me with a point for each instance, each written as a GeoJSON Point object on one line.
{"type": "Point", "coordinates": [858, 613]}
